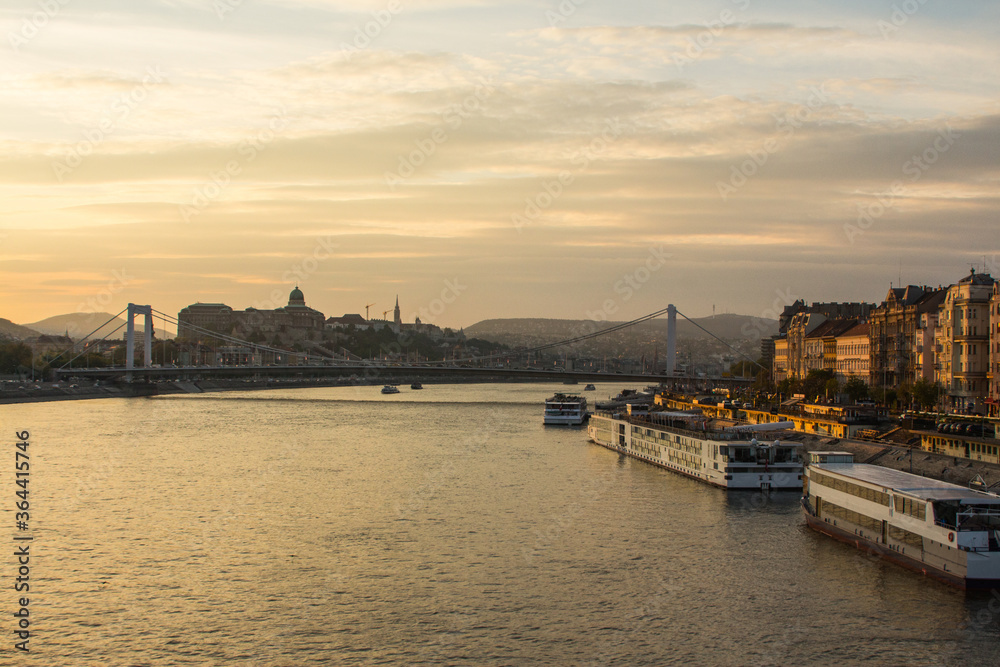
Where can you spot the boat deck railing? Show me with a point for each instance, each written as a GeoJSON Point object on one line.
{"type": "Point", "coordinates": [691, 432]}
{"type": "Point", "coordinates": [721, 436]}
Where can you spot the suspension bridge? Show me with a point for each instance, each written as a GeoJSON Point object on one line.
{"type": "Point", "coordinates": [248, 359]}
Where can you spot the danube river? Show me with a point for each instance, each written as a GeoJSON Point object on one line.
{"type": "Point", "coordinates": [338, 526]}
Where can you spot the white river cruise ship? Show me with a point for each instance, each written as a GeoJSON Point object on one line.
{"type": "Point", "coordinates": [568, 409]}
{"type": "Point", "coordinates": [942, 530]}
{"type": "Point", "coordinates": [707, 450]}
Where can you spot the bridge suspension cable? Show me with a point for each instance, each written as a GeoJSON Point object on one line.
{"type": "Point", "coordinates": [720, 340]}
{"type": "Point", "coordinates": [568, 341]}
{"type": "Point", "coordinates": [602, 332]}
{"type": "Point", "coordinates": [608, 330]}
{"type": "Point", "coordinates": [104, 337]}
{"type": "Point", "coordinates": [84, 350]}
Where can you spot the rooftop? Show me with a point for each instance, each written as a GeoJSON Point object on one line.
{"type": "Point", "coordinates": [977, 279]}
{"type": "Point", "coordinates": [904, 482]}
{"type": "Point", "coordinates": [832, 328]}
{"type": "Point", "coordinates": [349, 318]}
{"type": "Point", "coordinates": [861, 329]}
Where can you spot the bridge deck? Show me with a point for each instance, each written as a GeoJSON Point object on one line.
{"type": "Point", "coordinates": [383, 370]}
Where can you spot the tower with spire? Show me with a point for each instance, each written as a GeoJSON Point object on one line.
{"type": "Point", "coordinates": [395, 314]}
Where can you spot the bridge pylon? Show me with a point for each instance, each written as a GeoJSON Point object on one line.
{"type": "Point", "coordinates": [671, 339]}
{"type": "Point", "coordinates": [134, 310]}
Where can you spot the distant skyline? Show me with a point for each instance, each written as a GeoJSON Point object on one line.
{"type": "Point", "coordinates": [487, 159]}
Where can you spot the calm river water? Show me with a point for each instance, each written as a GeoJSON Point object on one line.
{"type": "Point", "coordinates": [337, 526]}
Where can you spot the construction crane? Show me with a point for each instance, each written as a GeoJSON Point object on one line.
{"type": "Point", "coordinates": [366, 309]}
{"type": "Point", "coordinates": [384, 314]}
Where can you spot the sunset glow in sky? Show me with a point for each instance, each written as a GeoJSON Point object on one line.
{"type": "Point", "coordinates": [548, 158]}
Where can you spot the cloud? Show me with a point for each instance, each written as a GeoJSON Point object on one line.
{"type": "Point", "coordinates": [590, 132]}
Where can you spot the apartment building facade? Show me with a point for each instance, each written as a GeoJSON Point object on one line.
{"type": "Point", "coordinates": [892, 354]}
{"type": "Point", "coordinates": [853, 350]}
{"type": "Point", "coordinates": [962, 341]}
{"type": "Point", "coordinates": [993, 375]}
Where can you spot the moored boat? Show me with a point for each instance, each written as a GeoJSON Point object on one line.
{"type": "Point", "coordinates": [416, 385]}
{"type": "Point", "coordinates": [626, 397]}
{"type": "Point", "coordinates": [565, 409]}
{"type": "Point", "coordinates": [590, 387]}
{"type": "Point", "coordinates": [942, 530]}
{"type": "Point", "coordinates": [717, 452]}
{"type": "Point", "coordinates": [390, 389]}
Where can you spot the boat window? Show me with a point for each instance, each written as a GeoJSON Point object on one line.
{"type": "Point", "coordinates": [911, 507]}
{"type": "Point", "coordinates": [849, 487]}
{"type": "Point", "coordinates": [784, 455]}
{"type": "Point", "coordinates": [945, 513]}
{"type": "Point", "coordinates": [860, 520]}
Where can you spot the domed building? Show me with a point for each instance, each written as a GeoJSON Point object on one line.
{"type": "Point", "coordinates": [296, 298]}
{"type": "Point", "coordinates": [288, 324]}
{"type": "Point", "coordinates": [291, 323]}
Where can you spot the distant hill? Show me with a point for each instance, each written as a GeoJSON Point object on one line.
{"type": "Point", "coordinates": [80, 324]}
{"type": "Point", "coordinates": [11, 331]}
{"type": "Point", "coordinates": [740, 331]}
{"type": "Point", "coordinates": [727, 327]}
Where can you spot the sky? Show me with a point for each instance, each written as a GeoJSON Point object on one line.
{"type": "Point", "coordinates": [580, 159]}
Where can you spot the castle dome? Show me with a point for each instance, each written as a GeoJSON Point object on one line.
{"type": "Point", "coordinates": [296, 298]}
